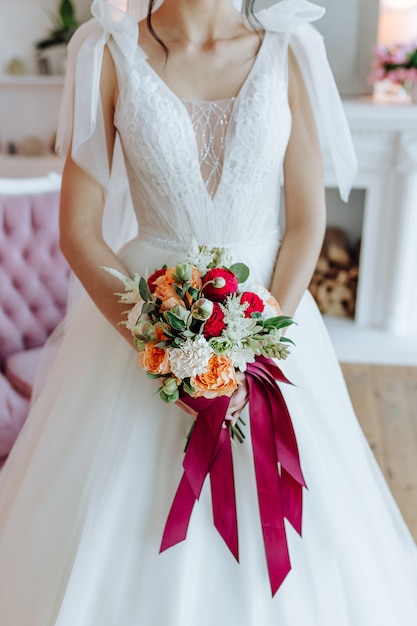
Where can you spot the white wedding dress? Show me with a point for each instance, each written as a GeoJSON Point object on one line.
{"type": "Point", "coordinates": [88, 486]}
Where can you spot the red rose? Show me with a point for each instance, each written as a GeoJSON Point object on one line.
{"type": "Point", "coordinates": [215, 324]}
{"type": "Point", "coordinates": [219, 293]}
{"type": "Point", "coordinates": [152, 278]}
{"type": "Point", "coordinates": [256, 305]}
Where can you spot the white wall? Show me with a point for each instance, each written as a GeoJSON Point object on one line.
{"type": "Point", "coordinates": [23, 22]}
{"type": "Point", "coordinates": [349, 27]}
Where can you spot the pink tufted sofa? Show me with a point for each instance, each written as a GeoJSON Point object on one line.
{"type": "Point", "coordinates": [33, 291]}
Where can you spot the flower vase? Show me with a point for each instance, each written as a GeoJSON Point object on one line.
{"type": "Point", "coordinates": [52, 59]}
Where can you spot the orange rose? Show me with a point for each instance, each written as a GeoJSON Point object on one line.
{"type": "Point", "coordinates": [196, 282]}
{"type": "Point", "coordinates": [170, 302]}
{"type": "Point", "coordinates": [165, 291]}
{"type": "Point", "coordinates": [219, 379]}
{"type": "Point", "coordinates": [152, 359]}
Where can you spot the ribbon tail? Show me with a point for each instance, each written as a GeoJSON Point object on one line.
{"type": "Point", "coordinates": [223, 494]}
{"type": "Point", "coordinates": [268, 484]}
{"type": "Point", "coordinates": [197, 464]}
{"type": "Point", "coordinates": [179, 515]}
{"type": "Point", "coordinates": [292, 500]}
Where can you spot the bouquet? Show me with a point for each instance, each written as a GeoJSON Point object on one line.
{"type": "Point", "coordinates": [398, 64]}
{"type": "Point", "coordinates": [196, 324]}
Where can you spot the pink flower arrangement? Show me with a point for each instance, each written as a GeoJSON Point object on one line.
{"type": "Point", "coordinates": [398, 64]}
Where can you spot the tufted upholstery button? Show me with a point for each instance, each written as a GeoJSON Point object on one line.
{"type": "Point", "coordinates": [33, 289]}
{"type": "Point", "coordinates": [33, 272]}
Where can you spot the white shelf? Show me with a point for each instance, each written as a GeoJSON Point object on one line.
{"type": "Point", "coordinates": [31, 80]}
{"type": "Point", "coordinates": [17, 166]}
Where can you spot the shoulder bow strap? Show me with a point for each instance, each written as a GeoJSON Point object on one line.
{"type": "Point", "coordinates": [81, 123]}
{"type": "Point", "coordinates": [80, 117]}
{"type": "Point", "coordinates": [293, 17]}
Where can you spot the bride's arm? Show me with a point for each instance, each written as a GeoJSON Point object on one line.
{"type": "Point", "coordinates": [305, 212]}
{"type": "Point", "coordinates": [81, 215]}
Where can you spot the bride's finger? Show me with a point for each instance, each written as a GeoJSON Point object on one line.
{"type": "Point", "coordinates": [239, 399]}
{"type": "Point", "coordinates": [187, 409]}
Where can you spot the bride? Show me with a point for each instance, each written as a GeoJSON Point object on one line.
{"type": "Point", "coordinates": [206, 106]}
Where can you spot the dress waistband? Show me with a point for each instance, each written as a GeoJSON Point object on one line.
{"type": "Point", "coordinates": [183, 246]}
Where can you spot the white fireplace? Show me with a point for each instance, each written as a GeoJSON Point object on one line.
{"type": "Point", "coordinates": [385, 324]}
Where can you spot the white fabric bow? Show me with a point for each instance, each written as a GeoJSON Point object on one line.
{"type": "Point", "coordinates": [293, 17]}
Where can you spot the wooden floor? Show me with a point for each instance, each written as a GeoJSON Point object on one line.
{"type": "Point", "coordinates": [385, 400]}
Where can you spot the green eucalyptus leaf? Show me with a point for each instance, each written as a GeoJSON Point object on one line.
{"type": "Point", "coordinates": [147, 308]}
{"type": "Point", "coordinates": [241, 271]}
{"type": "Point", "coordinates": [194, 293]}
{"type": "Point", "coordinates": [187, 386]}
{"type": "Point", "coordinates": [144, 290]}
{"type": "Point", "coordinates": [166, 329]}
{"type": "Point", "coordinates": [286, 340]}
{"type": "Point", "coordinates": [163, 344]}
{"type": "Point", "coordinates": [179, 291]}
{"type": "Point", "coordinates": [281, 321]}
{"type": "Point", "coordinates": [175, 322]}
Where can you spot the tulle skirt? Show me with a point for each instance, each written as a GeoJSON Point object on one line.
{"type": "Point", "coordinates": [86, 491]}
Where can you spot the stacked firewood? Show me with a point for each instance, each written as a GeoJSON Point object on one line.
{"type": "Point", "coordinates": [335, 279]}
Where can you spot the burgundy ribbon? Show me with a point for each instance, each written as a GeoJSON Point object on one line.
{"type": "Point", "coordinates": [277, 468]}
{"type": "Point", "coordinates": [279, 486]}
{"type": "Point", "coordinates": [208, 452]}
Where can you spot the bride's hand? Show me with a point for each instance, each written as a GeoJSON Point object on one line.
{"type": "Point", "coordinates": [239, 398]}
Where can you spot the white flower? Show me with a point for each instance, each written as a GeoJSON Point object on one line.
{"type": "Point", "coordinates": [241, 356]}
{"type": "Point", "coordinates": [232, 308]}
{"type": "Point", "coordinates": [237, 325]}
{"type": "Point", "coordinates": [223, 257]}
{"type": "Point", "coordinates": [239, 328]}
{"type": "Point", "coordinates": [191, 359]}
{"type": "Point", "coordinates": [201, 259]}
{"type": "Point", "coordinates": [133, 316]}
{"type": "Point", "coordinates": [130, 297]}
{"type": "Point", "coordinates": [131, 286]}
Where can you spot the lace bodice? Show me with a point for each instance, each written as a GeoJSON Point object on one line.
{"type": "Point", "coordinates": [191, 175]}
{"type": "Point", "coordinates": [210, 120]}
